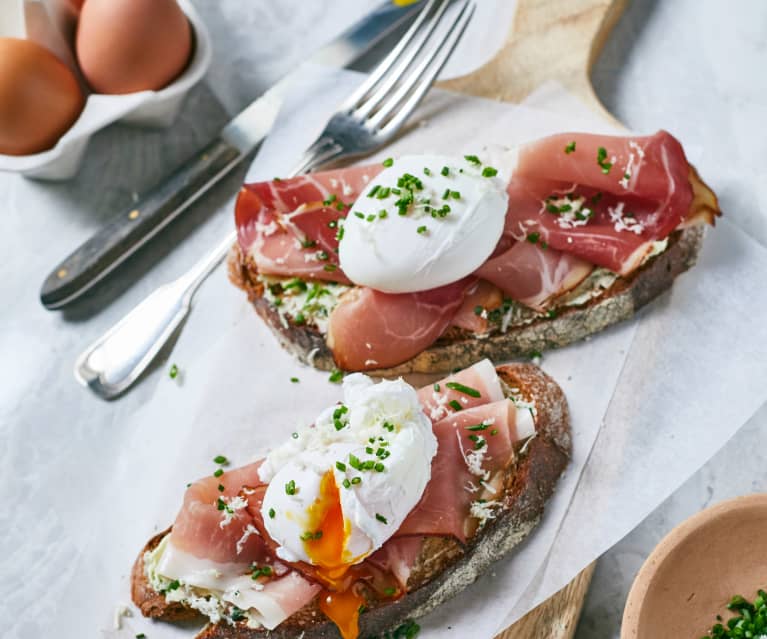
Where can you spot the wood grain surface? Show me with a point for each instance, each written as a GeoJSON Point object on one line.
{"type": "Point", "coordinates": [550, 40]}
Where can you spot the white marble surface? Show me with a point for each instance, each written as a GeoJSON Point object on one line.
{"type": "Point", "coordinates": [694, 67]}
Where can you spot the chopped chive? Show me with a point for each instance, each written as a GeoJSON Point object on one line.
{"type": "Point", "coordinates": [221, 488]}
{"type": "Point", "coordinates": [436, 387]}
{"type": "Point", "coordinates": [533, 238]}
{"type": "Point", "coordinates": [388, 162]}
{"type": "Point", "coordinates": [466, 390]}
{"type": "Point", "coordinates": [294, 380]}
{"type": "Point", "coordinates": [341, 466]}
{"type": "Point", "coordinates": [173, 372]}
{"type": "Point", "coordinates": [290, 487]}
{"type": "Point", "coordinates": [426, 171]}
{"type": "Point", "coordinates": [336, 376]}
{"type": "Point", "coordinates": [381, 518]}
{"type": "Point", "coordinates": [271, 513]}
{"type": "Point", "coordinates": [359, 215]}
{"type": "Point", "coordinates": [473, 159]}
{"type": "Point", "coordinates": [383, 214]}
{"type": "Point", "coordinates": [346, 483]}
{"type": "Point", "coordinates": [455, 405]}
{"type": "Point", "coordinates": [445, 171]}
{"type": "Point", "coordinates": [570, 147]}
{"type": "Point", "coordinates": [489, 171]}
{"type": "Point", "coordinates": [356, 480]}
{"type": "Point", "coordinates": [379, 467]}
{"type": "Point", "coordinates": [374, 190]}
{"type": "Point", "coordinates": [421, 230]}
{"type": "Point", "coordinates": [390, 592]}
{"type": "Point", "coordinates": [220, 459]}
{"type": "Point", "coordinates": [218, 472]}
{"type": "Point", "coordinates": [329, 268]}
{"type": "Point", "coordinates": [477, 427]}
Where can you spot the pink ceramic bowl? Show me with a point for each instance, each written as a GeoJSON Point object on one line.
{"type": "Point", "coordinates": [693, 573]}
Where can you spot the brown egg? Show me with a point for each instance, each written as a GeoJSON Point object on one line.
{"type": "Point", "coordinates": [39, 98]}
{"type": "Point", "coordinates": [125, 46]}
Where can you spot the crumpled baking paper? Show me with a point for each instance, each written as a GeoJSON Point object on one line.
{"type": "Point", "coordinates": [651, 399]}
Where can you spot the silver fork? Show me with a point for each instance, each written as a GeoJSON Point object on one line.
{"type": "Point", "coordinates": [366, 121]}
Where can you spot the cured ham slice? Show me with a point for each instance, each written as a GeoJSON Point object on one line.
{"type": "Point", "coordinates": [215, 524]}
{"type": "Point", "coordinates": [485, 295]}
{"type": "Point", "coordinates": [474, 444]}
{"type": "Point", "coordinates": [441, 399]}
{"type": "Point", "coordinates": [601, 198]}
{"type": "Point", "coordinates": [397, 557]}
{"type": "Point", "coordinates": [533, 275]}
{"type": "Point", "coordinates": [290, 227]}
{"type": "Point", "coordinates": [279, 598]}
{"type": "Point", "coordinates": [369, 329]}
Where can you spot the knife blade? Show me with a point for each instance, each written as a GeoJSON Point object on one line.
{"type": "Point", "coordinates": [128, 231]}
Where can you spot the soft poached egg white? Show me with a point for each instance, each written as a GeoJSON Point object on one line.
{"type": "Point", "coordinates": [340, 488]}
{"type": "Point", "coordinates": [449, 229]}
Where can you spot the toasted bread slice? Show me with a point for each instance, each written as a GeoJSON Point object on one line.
{"type": "Point", "coordinates": [459, 348]}
{"type": "Point", "coordinates": [444, 567]}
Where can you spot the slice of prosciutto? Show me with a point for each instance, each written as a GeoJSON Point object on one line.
{"type": "Point", "coordinates": [532, 275]}
{"type": "Point", "coordinates": [483, 295]}
{"type": "Point", "coordinates": [474, 444]}
{"type": "Point", "coordinates": [370, 329]}
{"type": "Point", "coordinates": [290, 227]}
{"type": "Point", "coordinates": [216, 540]}
{"type": "Point", "coordinates": [214, 524]}
{"type": "Point", "coordinates": [480, 383]}
{"type": "Point", "coordinates": [604, 199]}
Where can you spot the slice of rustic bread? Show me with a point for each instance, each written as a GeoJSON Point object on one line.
{"type": "Point", "coordinates": [460, 348]}
{"type": "Point", "coordinates": [444, 567]}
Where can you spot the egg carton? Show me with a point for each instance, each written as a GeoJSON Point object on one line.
{"type": "Point", "coordinates": [146, 108]}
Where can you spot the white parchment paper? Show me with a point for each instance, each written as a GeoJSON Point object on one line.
{"type": "Point", "coordinates": [651, 399]}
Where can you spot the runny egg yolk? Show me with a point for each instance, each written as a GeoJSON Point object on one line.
{"type": "Point", "coordinates": [326, 550]}
{"type": "Point", "coordinates": [330, 531]}
{"type": "Point", "coordinates": [343, 609]}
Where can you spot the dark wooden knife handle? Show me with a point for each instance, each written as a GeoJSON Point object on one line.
{"type": "Point", "coordinates": [130, 230]}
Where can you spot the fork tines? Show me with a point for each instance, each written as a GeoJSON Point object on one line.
{"type": "Point", "coordinates": [400, 81]}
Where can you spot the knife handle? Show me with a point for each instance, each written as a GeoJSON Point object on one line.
{"type": "Point", "coordinates": [130, 230]}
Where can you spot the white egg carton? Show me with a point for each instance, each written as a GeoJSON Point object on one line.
{"type": "Point", "coordinates": [147, 108]}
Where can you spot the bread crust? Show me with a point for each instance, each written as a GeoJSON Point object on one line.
{"type": "Point", "coordinates": [444, 568]}
{"type": "Point", "coordinates": [460, 348]}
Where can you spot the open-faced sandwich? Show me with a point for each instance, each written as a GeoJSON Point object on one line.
{"type": "Point", "coordinates": [391, 502]}
{"type": "Point", "coordinates": [430, 263]}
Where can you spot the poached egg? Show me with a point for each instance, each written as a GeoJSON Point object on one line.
{"type": "Point", "coordinates": [340, 488]}
{"type": "Point", "coordinates": [423, 222]}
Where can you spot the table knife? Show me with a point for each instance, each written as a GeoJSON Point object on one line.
{"type": "Point", "coordinates": [134, 227]}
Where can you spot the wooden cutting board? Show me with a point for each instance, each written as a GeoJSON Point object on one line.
{"type": "Point", "coordinates": [549, 40]}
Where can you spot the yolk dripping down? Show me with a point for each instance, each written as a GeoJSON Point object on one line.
{"type": "Point", "coordinates": [343, 609]}
{"type": "Point", "coordinates": [327, 552]}
{"type": "Point", "coordinates": [326, 521]}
